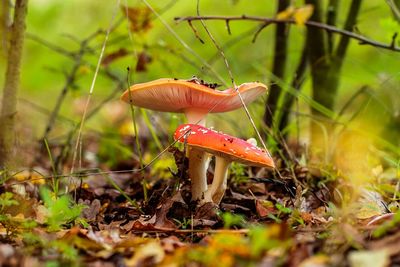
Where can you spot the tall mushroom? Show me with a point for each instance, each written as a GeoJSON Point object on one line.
{"type": "Point", "coordinates": [195, 100]}
{"type": "Point", "coordinates": [226, 149]}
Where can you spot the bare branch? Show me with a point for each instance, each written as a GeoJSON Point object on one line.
{"type": "Point", "coordinates": [362, 39]}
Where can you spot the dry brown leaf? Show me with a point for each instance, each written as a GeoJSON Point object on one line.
{"type": "Point", "coordinates": [139, 18]}
{"type": "Point", "coordinates": [143, 60]}
{"type": "Point", "coordinates": [149, 254]}
{"type": "Point", "coordinates": [109, 58]}
{"type": "Point", "coordinates": [264, 208]}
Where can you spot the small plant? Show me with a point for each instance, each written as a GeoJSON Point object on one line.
{"type": "Point", "coordinates": [13, 225]}
{"type": "Point", "coordinates": [61, 210]}
{"type": "Point", "coordinates": [185, 223]}
{"type": "Point", "coordinates": [230, 220]}
{"type": "Point", "coordinates": [6, 200]}
{"type": "Point", "coordinates": [282, 210]}
{"type": "Point", "coordinates": [65, 252]}
{"type": "Point", "coordinates": [387, 226]}
{"type": "Point", "coordinates": [238, 174]}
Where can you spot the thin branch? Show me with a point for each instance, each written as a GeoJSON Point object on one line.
{"type": "Point", "coordinates": [185, 45]}
{"type": "Point", "coordinates": [69, 82]}
{"type": "Point", "coordinates": [362, 39]}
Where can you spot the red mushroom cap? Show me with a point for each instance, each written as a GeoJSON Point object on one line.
{"type": "Point", "coordinates": [223, 145]}
{"type": "Point", "coordinates": [173, 95]}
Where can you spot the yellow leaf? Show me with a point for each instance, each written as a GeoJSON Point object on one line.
{"type": "Point", "coordinates": [33, 177]}
{"type": "Point", "coordinates": [378, 170]}
{"type": "Point", "coordinates": [149, 251]}
{"type": "Point", "coordinates": [302, 14]}
{"type": "Point", "coordinates": [286, 14]}
{"type": "Point", "coordinates": [371, 258]}
{"type": "Point", "coordinates": [314, 261]}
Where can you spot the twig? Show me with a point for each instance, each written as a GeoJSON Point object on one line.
{"type": "Point", "coordinates": [259, 30]}
{"type": "Point", "coordinates": [69, 81]}
{"type": "Point", "coordinates": [185, 45]}
{"type": "Point", "coordinates": [362, 39]}
{"type": "Point", "coordinates": [196, 33]}
{"type": "Point", "coordinates": [190, 231]}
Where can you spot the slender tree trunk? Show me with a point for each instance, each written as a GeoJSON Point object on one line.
{"type": "Point", "coordinates": [297, 82]}
{"type": "Point", "coordinates": [319, 60]}
{"type": "Point", "coordinates": [4, 24]}
{"type": "Point", "coordinates": [11, 85]}
{"type": "Point", "coordinates": [325, 71]}
{"type": "Point", "coordinates": [279, 65]}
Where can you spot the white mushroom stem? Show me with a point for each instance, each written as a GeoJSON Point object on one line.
{"type": "Point", "coordinates": [198, 160]}
{"type": "Point", "coordinates": [196, 116]}
{"type": "Point", "coordinates": [219, 183]}
{"type": "Point", "coordinates": [198, 165]}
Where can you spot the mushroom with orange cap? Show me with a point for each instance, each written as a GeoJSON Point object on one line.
{"type": "Point", "coordinates": [195, 99]}
{"type": "Point", "coordinates": [226, 149]}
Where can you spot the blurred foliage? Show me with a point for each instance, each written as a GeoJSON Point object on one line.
{"type": "Point", "coordinates": [60, 210]}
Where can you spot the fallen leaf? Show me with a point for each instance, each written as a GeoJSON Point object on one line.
{"type": "Point", "coordinates": [92, 209]}
{"type": "Point", "coordinates": [315, 261]}
{"type": "Point", "coordinates": [171, 243]}
{"type": "Point", "coordinates": [148, 254]}
{"type": "Point", "coordinates": [264, 208]}
{"type": "Point", "coordinates": [368, 258]}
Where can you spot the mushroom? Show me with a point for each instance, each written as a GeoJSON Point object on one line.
{"type": "Point", "coordinates": [195, 100]}
{"type": "Point", "coordinates": [226, 149]}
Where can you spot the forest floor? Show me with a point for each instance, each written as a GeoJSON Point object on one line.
{"type": "Point", "coordinates": [304, 218]}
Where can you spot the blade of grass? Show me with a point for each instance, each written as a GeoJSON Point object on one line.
{"type": "Point", "coordinates": [53, 167]}
{"type": "Point", "coordinates": [151, 129]}
{"type": "Point", "coordinates": [119, 189]}
{"type": "Point", "coordinates": [78, 140]}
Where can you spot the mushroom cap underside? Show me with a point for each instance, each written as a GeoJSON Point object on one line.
{"type": "Point", "coordinates": [223, 145]}
{"type": "Point", "coordinates": [173, 95]}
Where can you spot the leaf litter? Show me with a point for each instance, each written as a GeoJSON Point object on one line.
{"type": "Point", "coordinates": [297, 221]}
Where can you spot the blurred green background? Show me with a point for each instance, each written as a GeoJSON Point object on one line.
{"type": "Point", "coordinates": [67, 23]}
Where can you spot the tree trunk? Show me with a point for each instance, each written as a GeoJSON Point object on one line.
{"type": "Point", "coordinates": [278, 68]}
{"type": "Point", "coordinates": [11, 85]}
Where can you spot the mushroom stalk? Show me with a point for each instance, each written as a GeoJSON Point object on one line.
{"type": "Point", "coordinates": [198, 160]}
{"type": "Point", "coordinates": [196, 116]}
{"type": "Point", "coordinates": [219, 183]}
{"type": "Point", "coordinates": [198, 165]}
